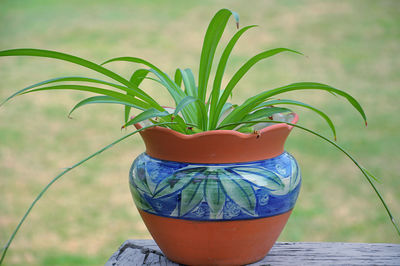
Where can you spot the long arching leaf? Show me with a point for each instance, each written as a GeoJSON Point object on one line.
{"type": "Point", "coordinates": [147, 114]}
{"type": "Point", "coordinates": [252, 102]}
{"type": "Point", "coordinates": [105, 99]}
{"type": "Point", "coordinates": [70, 78]}
{"type": "Point", "coordinates": [297, 103]}
{"type": "Point", "coordinates": [189, 82]}
{"type": "Point", "coordinates": [200, 110]}
{"type": "Point", "coordinates": [183, 103]}
{"type": "Point", "coordinates": [82, 62]}
{"type": "Point", "coordinates": [178, 77]}
{"type": "Point", "coordinates": [174, 90]}
{"type": "Point", "coordinates": [199, 117]}
{"type": "Point", "coordinates": [68, 169]}
{"type": "Point", "coordinates": [242, 71]}
{"type": "Point", "coordinates": [265, 112]}
{"type": "Point", "coordinates": [114, 94]}
{"type": "Point", "coordinates": [136, 78]}
{"type": "Point", "coordinates": [220, 72]}
{"type": "Point", "coordinates": [211, 40]}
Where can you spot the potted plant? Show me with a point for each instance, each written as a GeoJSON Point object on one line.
{"type": "Point", "coordinates": [215, 186]}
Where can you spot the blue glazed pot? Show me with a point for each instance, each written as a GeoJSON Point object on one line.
{"type": "Point", "coordinates": [215, 192]}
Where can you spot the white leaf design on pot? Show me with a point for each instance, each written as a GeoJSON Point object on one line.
{"type": "Point", "coordinates": [192, 195]}
{"type": "Point", "coordinates": [240, 191]}
{"type": "Point", "coordinates": [215, 195]}
{"type": "Point", "coordinates": [177, 181]}
{"type": "Point", "coordinates": [260, 177]}
{"type": "Point", "coordinates": [141, 178]}
{"type": "Point", "coordinates": [139, 199]}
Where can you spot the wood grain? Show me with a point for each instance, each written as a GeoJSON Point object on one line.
{"type": "Point", "coordinates": [146, 252]}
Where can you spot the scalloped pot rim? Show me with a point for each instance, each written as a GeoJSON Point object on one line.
{"type": "Point", "coordinates": [216, 146]}
{"type": "Point", "coordinates": [222, 131]}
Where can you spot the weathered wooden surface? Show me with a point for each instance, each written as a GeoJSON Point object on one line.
{"type": "Point", "coordinates": [146, 252]}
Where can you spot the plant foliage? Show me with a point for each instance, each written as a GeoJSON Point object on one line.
{"type": "Point", "coordinates": [198, 106]}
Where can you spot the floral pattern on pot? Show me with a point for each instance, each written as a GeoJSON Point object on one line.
{"type": "Point", "coordinates": [215, 191]}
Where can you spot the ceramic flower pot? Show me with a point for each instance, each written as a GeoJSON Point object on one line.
{"type": "Point", "coordinates": [218, 197]}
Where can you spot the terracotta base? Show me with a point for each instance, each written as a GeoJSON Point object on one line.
{"type": "Point", "coordinates": [215, 243]}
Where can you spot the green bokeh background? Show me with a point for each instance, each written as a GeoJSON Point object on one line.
{"type": "Point", "coordinates": [352, 45]}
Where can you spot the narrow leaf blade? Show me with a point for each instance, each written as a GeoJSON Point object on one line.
{"type": "Point", "coordinates": [211, 40]}
{"type": "Point", "coordinates": [147, 114]}
{"type": "Point", "coordinates": [242, 71]}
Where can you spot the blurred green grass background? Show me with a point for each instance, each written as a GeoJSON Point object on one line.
{"type": "Point", "coordinates": [352, 45]}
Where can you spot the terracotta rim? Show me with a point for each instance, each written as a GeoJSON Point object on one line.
{"type": "Point", "coordinates": [216, 146]}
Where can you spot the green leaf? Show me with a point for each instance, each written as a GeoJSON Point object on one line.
{"type": "Point", "coordinates": [241, 72]}
{"type": "Point", "coordinates": [259, 177]}
{"type": "Point", "coordinates": [228, 107]}
{"type": "Point", "coordinates": [241, 111]}
{"type": "Point", "coordinates": [215, 195]}
{"type": "Point", "coordinates": [210, 43]}
{"type": "Point", "coordinates": [291, 102]}
{"type": "Point", "coordinates": [192, 195]}
{"type": "Point", "coordinates": [138, 76]}
{"type": "Point", "coordinates": [183, 103]}
{"type": "Point", "coordinates": [202, 116]}
{"type": "Point", "coordinates": [262, 113]}
{"type": "Point", "coordinates": [194, 130]}
{"type": "Point", "coordinates": [106, 92]}
{"type": "Point", "coordinates": [179, 124]}
{"type": "Point", "coordinates": [188, 80]}
{"type": "Point", "coordinates": [136, 79]}
{"type": "Point", "coordinates": [178, 77]}
{"type": "Point", "coordinates": [176, 181]}
{"type": "Point", "coordinates": [174, 90]}
{"type": "Point", "coordinates": [265, 113]}
{"type": "Point", "coordinates": [82, 62]}
{"type": "Point", "coordinates": [65, 79]}
{"type": "Point", "coordinates": [246, 129]}
{"type": "Point", "coordinates": [371, 175]}
{"type": "Point", "coordinates": [240, 191]}
{"type": "Point", "coordinates": [147, 114]}
{"type": "Point", "coordinates": [215, 93]}
{"type": "Point", "coordinates": [109, 99]}
{"type": "Point", "coordinates": [200, 110]}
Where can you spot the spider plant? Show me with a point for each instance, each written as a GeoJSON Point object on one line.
{"type": "Point", "coordinates": [200, 105]}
